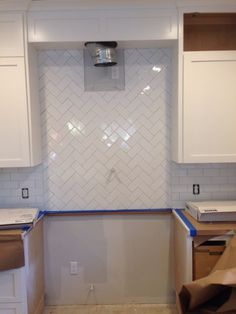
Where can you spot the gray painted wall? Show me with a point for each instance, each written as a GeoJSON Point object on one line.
{"type": "Point", "coordinates": [126, 257]}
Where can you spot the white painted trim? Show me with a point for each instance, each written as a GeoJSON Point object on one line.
{"type": "Point", "coordinates": [211, 4]}
{"type": "Point", "coordinates": [102, 25]}
{"type": "Point", "coordinates": [220, 5]}
{"type": "Point", "coordinates": [14, 5]}
{"type": "Point", "coordinates": [206, 8]}
{"type": "Point", "coordinates": [102, 4]}
{"type": "Point", "coordinates": [52, 5]}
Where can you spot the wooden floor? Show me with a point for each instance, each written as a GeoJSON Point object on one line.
{"type": "Point", "coordinates": [112, 309]}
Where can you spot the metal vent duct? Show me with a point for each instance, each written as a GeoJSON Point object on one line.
{"type": "Point", "coordinates": [103, 53]}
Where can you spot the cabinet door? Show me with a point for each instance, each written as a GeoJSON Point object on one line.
{"type": "Point", "coordinates": [11, 35]}
{"type": "Point", "coordinates": [11, 308]}
{"type": "Point", "coordinates": [12, 286]}
{"type": "Point", "coordinates": [14, 136]}
{"type": "Point", "coordinates": [209, 107]}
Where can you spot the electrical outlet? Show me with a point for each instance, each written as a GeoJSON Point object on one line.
{"type": "Point", "coordinates": [25, 193]}
{"type": "Point", "coordinates": [196, 189]}
{"type": "Point", "coordinates": [74, 268]}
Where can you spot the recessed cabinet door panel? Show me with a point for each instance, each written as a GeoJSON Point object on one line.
{"type": "Point", "coordinates": [12, 308]}
{"type": "Point", "coordinates": [209, 107]}
{"type": "Point", "coordinates": [11, 286]}
{"type": "Point", "coordinates": [11, 35]}
{"type": "Point", "coordinates": [14, 137]}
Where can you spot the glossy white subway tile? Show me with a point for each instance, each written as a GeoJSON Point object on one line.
{"type": "Point", "coordinates": [105, 131]}
{"type": "Point", "coordinates": [87, 134]}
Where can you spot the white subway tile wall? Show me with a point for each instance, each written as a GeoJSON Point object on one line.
{"type": "Point", "coordinates": [106, 150]}
{"type": "Point", "coordinates": [217, 182]}
{"type": "Point", "coordinates": [12, 180]}
{"type": "Point", "coordinates": [110, 149]}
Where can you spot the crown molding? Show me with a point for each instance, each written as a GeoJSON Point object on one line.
{"type": "Point", "coordinates": [204, 3]}
{"type": "Point", "coordinates": [14, 5]}
{"type": "Point", "coordinates": [58, 5]}
{"type": "Point", "coordinates": [41, 5]}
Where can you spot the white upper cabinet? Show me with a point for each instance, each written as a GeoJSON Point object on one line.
{"type": "Point", "coordinates": [204, 100]}
{"type": "Point", "coordinates": [14, 131]}
{"type": "Point", "coordinates": [19, 110]}
{"type": "Point", "coordinates": [209, 107]}
{"type": "Point", "coordinates": [102, 25]}
{"type": "Point", "coordinates": [11, 35]}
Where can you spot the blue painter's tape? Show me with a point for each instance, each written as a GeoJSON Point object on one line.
{"type": "Point", "coordinates": [26, 228]}
{"type": "Point", "coordinates": [192, 230]}
{"type": "Point", "coordinates": [41, 214]}
{"type": "Point", "coordinates": [107, 211]}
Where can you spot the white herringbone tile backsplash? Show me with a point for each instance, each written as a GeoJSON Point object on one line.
{"type": "Point", "coordinates": [110, 150]}
{"type": "Point", "coordinates": [106, 150]}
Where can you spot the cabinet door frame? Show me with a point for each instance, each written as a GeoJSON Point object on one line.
{"type": "Point", "coordinates": [11, 35]}
{"type": "Point", "coordinates": [15, 308]}
{"type": "Point", "coordinates": [208, 129]}
{"type": "Point", "coordinates": [16, 278]}
{"type": "Point", "coordinates": [14, 125]}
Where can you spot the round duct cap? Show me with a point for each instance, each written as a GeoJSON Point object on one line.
{"type": "Point", "coordinates": [103, 53]}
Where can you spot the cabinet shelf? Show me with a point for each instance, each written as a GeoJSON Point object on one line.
{"type": "Point", "coordinates": [209, 31]}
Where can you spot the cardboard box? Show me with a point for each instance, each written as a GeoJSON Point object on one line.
{"type": "Point", "coordinates": [205, 257]}
{"type": "Point", "coordinates": [215, 293]}
{"type": "Point", "coordinates": [11, 254]}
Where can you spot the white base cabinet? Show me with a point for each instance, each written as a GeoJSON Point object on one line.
{"type": "Point", "coordinates": [22, 289]}
{"type": "Point", "coordinates": [10, 308]}
{"type": "Point", "coordinates": [13, 294]}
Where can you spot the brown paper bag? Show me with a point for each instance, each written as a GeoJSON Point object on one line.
{"type": "Point", "coordinates": [215, 293]}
